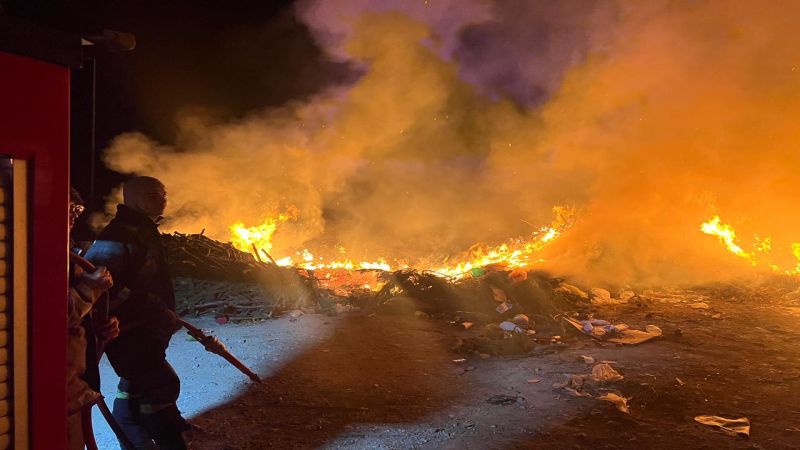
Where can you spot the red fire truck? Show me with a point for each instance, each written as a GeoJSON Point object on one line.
{"type": "Point", "coordinates": [35, 68]}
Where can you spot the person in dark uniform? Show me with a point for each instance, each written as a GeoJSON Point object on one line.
{"type": "Point", "coordinates": [144, 302]}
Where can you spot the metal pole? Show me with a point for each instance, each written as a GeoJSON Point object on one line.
{"type": "Point", "coordinates": [92, 138]}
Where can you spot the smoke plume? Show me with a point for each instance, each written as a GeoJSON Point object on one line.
{"type": "Point", "coordinates": [472, 119]}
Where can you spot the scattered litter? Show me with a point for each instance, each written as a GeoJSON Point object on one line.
{"type": "Point", "coordinates": [460, 360]}
{"type": "Point", "coordinates": [534, 380]}
{"type": "Point", "coordinates": [477, 272]}
{"type": "Point", "coordinates": [467, 325]}
{"type": "Point", "coordinates": [221, 319]}
{"type": "Point", "coordinates": [295, 313]}
{"type": "Point", "coordinates": [679, 381]}
{"type": "Point", "coordinates": [498, 294]}
{"type": "Point", "coordinates": [619, 333]}
{"type": "Point", "coordinates": [522, 320]}
{"type": "Point", "coordinates": [510, 327]}
{"type": "Point", "coordinates": [604, 373]}
{"type": "Point", "coordinates": [591, 386]}
{"type": "Point", "coordinates": [732, 427]}
{"type": "Point", "coordinates": [504, 399]}
{"type": "Point", "coordinates": [597, 327]}
{"type": "Point", "coordinates": [699, 305]}
{"type": "Point", "coordinates": [503, 307]}
{"type": "Point", "coordinates": [571, 291]}
{"type": "Point", "coordinates": [600, 296]}
{"type": "Point", "coordinates": [587, 359]}
{"type": "Point", "coordinates": [619, 401]}
{"type": "Point", "coordinates": [633, 337]}
{"type": "Point", "coordinates": [494, 340]}
{"type": "Point", "coordinates": [517, 276]}
{"type": "Point", "coordinates": [343, 308]}
{"type": "Point", "coordinates": [575, 385]}
{"type": "Point", "coordinates": [716, 316]}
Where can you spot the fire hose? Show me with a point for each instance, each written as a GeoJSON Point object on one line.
{"type": "Point", "coordinates": [86, 414]}
{"type": "Point", "coordinates": [214, 345]}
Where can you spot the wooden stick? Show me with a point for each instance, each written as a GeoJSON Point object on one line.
{"type": "Point", "coordinates": [255, 251]}
{"type": "Point", "coordinates": [269, 256]}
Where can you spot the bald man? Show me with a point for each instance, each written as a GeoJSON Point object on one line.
{"type": "Point", "coordinates": [144, 302]}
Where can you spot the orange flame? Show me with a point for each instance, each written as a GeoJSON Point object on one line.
{"type": "Point", "coordinates": [726, 235]}
{"type": "Point", "coordinates": [514, 254]}
{"type": "Point", "coordinates": [260, 236]}
{"type": "Point", "coordinates": [761, 248]}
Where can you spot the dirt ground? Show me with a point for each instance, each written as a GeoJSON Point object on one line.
{"type": "Point", "coordinates": [362, 380]}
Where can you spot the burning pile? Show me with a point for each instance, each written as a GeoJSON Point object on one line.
{"type": "Point", "coordinates": [516, 253]}
{"type": "Point", "coordinates": [247, 259]}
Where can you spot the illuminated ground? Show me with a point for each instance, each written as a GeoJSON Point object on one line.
{"type": "Point", "coordinates": [358, 381]}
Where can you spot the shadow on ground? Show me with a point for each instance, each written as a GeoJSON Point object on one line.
{"type": "Point", "coordinates": [371, 370]}
{"type": "Point", "coordinates": [390, 382]}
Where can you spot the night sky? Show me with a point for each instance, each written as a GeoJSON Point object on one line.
{"type": "Point", "coordinates": [226, 57]}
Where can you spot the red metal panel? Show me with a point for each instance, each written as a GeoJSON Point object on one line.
{"type": "Point", "coordinates": [34, 125]}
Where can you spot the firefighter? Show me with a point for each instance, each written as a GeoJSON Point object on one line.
{"type": "Point", "coordinates": [84, 290]}
{"type": "Point", "coordinates": [143, 299]}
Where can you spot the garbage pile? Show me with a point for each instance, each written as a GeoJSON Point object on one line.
{"type": "Point", "coordinates": [505, 311]}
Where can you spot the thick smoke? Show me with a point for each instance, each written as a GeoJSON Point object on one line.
{"type": "Point", "coordinates": [473, 117]}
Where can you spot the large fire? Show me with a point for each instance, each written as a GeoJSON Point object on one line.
{"type": "Point", "coordinates": [516, 253]}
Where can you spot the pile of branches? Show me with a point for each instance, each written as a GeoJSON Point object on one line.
{"type": "Point", "coordinates": [224, 301]}
{"type": "Point", "coordinates": [227, 281]}
{"type": "Point", "coordinates": [197, 256]}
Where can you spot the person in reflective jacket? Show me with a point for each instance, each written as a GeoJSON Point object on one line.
{"type": "Point", "coordinates": [144, 302]}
